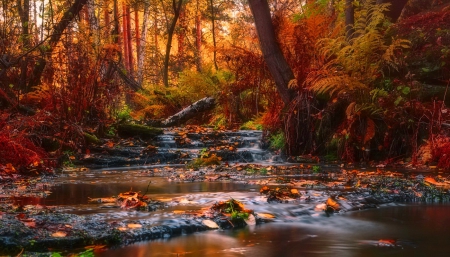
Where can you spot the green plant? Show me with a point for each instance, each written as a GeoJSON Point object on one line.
{"type": "Point", "coordinates": [316, 169]}
{"type": "Point", "coordinates": [235, 214]}
{"type": "Point", "coordinates": [124, 113]}
{"type": "Point", "coordinates": [263, 171]}
{"type": "Point", "coordinates": [277, 141]}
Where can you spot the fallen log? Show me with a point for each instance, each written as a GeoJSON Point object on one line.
{"type": "Point", "coordinates": [186, 114]}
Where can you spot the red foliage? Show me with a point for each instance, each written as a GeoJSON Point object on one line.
{"type": "Point", "coordinates": [19, 150]}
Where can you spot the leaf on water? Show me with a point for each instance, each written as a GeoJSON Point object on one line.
{"type": "Point", "coordinates": [59, 234]}
{"type": "Point", "coordinates": [210, 224]}
{"type": "Point", "coordinates": [266, 216]}
{"type": "Point", "coordinates": [134, 225]}
{"type": "Point", "coordinates": [251, 221]}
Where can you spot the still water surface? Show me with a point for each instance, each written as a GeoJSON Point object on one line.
{"type": "Point", "coordinates": [420, 230]}
{"type": "Point", "coordinates": [299, 230]}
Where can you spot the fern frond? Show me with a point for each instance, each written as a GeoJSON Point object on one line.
{"type": "Point", "coordinates": [389, 57]}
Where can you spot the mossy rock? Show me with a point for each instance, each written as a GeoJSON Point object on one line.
{"type": "Point", "coordinates": [135, 130]}
{"type": "Point", "coordinates": [91, 139]}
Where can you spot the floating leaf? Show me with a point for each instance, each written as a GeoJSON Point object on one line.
{"type": "Point", "coordinates": [267, 216]}
{"type": "Point", "coordinates": [134, 225]}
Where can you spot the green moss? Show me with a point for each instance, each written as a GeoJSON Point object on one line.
{"type": "Point", "coordinates": [135, 130]}
{"type": "Point", "coordinates": [91, 139]}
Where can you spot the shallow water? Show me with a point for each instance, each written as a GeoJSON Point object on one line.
{"type": "Point", "coordinates": [419, 230]}
{"type": "Point", "coordinates": [298, 230]}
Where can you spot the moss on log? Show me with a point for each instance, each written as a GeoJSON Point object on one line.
{"type": "Point", "coordinates": [141, 131]}
{"type": "Point", "coordinates": [91, 139]}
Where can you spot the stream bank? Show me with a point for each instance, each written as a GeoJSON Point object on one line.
{"type": "Point", "coordinates": [33, 224]}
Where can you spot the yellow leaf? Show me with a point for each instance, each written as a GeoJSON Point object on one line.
{"type": "Point", "coordinates": [132, 225]}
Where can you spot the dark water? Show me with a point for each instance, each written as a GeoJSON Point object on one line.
{"type": "Point", "coordinates": [419, 230]}
{"type": "Point", "coordinates": [299, 230]}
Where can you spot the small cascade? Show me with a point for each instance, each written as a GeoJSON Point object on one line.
{"type": "Point", "coordinates": [180, 146]}
{"type": "Point", "coordinates": [232, 146]}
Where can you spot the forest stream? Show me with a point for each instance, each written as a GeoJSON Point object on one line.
{"type": "Point", "coordinates": [288, 226]}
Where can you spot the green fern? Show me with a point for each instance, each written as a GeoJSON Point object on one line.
{"type": "Point", "coordinates": [353, 64]}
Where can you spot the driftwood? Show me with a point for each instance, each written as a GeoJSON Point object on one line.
{"type": "Point", "coordinates": [186, 114]}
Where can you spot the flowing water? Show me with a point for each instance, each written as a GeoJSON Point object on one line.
{"type": "Point", "coordinates": [299, 229]}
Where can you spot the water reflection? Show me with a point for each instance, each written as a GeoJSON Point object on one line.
{"type": "Point", "coordinates": [420, 230]}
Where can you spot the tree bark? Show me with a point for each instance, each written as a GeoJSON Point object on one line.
{"type": "Point", "coordinates": [129, 41]}
{"type": "Point", "coordinates": [24, 13]}
{"type": "Point", "coordinates": [275, 60]}
{"type": "Point", "coordinates": [181, 38]}
{"type": "Point", "coordinates": [187, 113]}
{"type": "Point", "coordinates": [176, 10]}
{"type": "Point", "coordinates": [126, 51]}
{"type": "Point", "coordinates": [93, 22]}
{"type": "Point", "coordinates": [396, 8]}
{"type": "Point", "coordinates": [349, 19]}
{"type": "Point", "coordinates": [142, 44]}
{"type": "Point", "coordinates": [213, 32]}
{"type": "Point", "coordinates": [198, 40]}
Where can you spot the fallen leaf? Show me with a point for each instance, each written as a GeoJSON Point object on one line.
{"type": "Point", "coordinates": [251, 221]}
{"type": "Point", "coordinates": [210, 224]}
{"type": "Point", "coordinates": [59, 234]}
{"type": "Point", "coordinates": [133, 225]}
{"type": "Point", "coordinates": [266, 215]}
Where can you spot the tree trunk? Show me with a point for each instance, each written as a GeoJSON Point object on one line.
{"type": "Point", "coordinates": [56, 34]}
{"type": "Point", "coordinates": [349, 19]}
{"type": "Point", "coordinates": [136, 28]}
{"type": "Point", "coordinates": [198, 40]}
{"type": "Point", "coordinates": [187, 113]}
{"type": "Point", "coordinates": [24, 13]}
{"type": "Point", "coordinates": [126, 51]}
{"type": "Point", "coordinates": [93, 22]}
{"type": "Point", "coordinates": [213, 32]}
{"type": "Point", "coordinates": [129, 41]}
{"type": "Point", "coordinates": [396, 8]}
{"type": "Point", "coordinates": [142, 44]}
{"type": "Point", "coordinates": [277, 64]}
{"type": "Point", "coordinates": [107, 20]}
{"type": "Point", "coordinates": [181, 37]}
{"type": "Point", "coordinates": [176, 10]}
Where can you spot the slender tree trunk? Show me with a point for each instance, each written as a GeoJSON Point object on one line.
{"type": "Point", "coordinates": [277, 64]}
{"type": "Point", "coordinates": [129, 42]}
{"type": "Point", "coordinates": [126, 51]}
{"type": "Point", "coordinates": [107, 19]}
{"type": "Point", "coordinates": [93, 22]}
{"type": "Point", "coordinates": [136, 28]}
{"type": "Point", "coordinates": [176, 10]}
{"type": "Point", "coordinates": [24, 13]}
{"type": "Point", "coordinates": [143, 42]}
{"type": "Point", "coordinates": [181, 37]}
{"type": "Point", "coordinates": [198, 39]}
{"type": "Point", "coordinates": [213, 32]}
{"type": "Point", "coordinates": [349, 19]}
